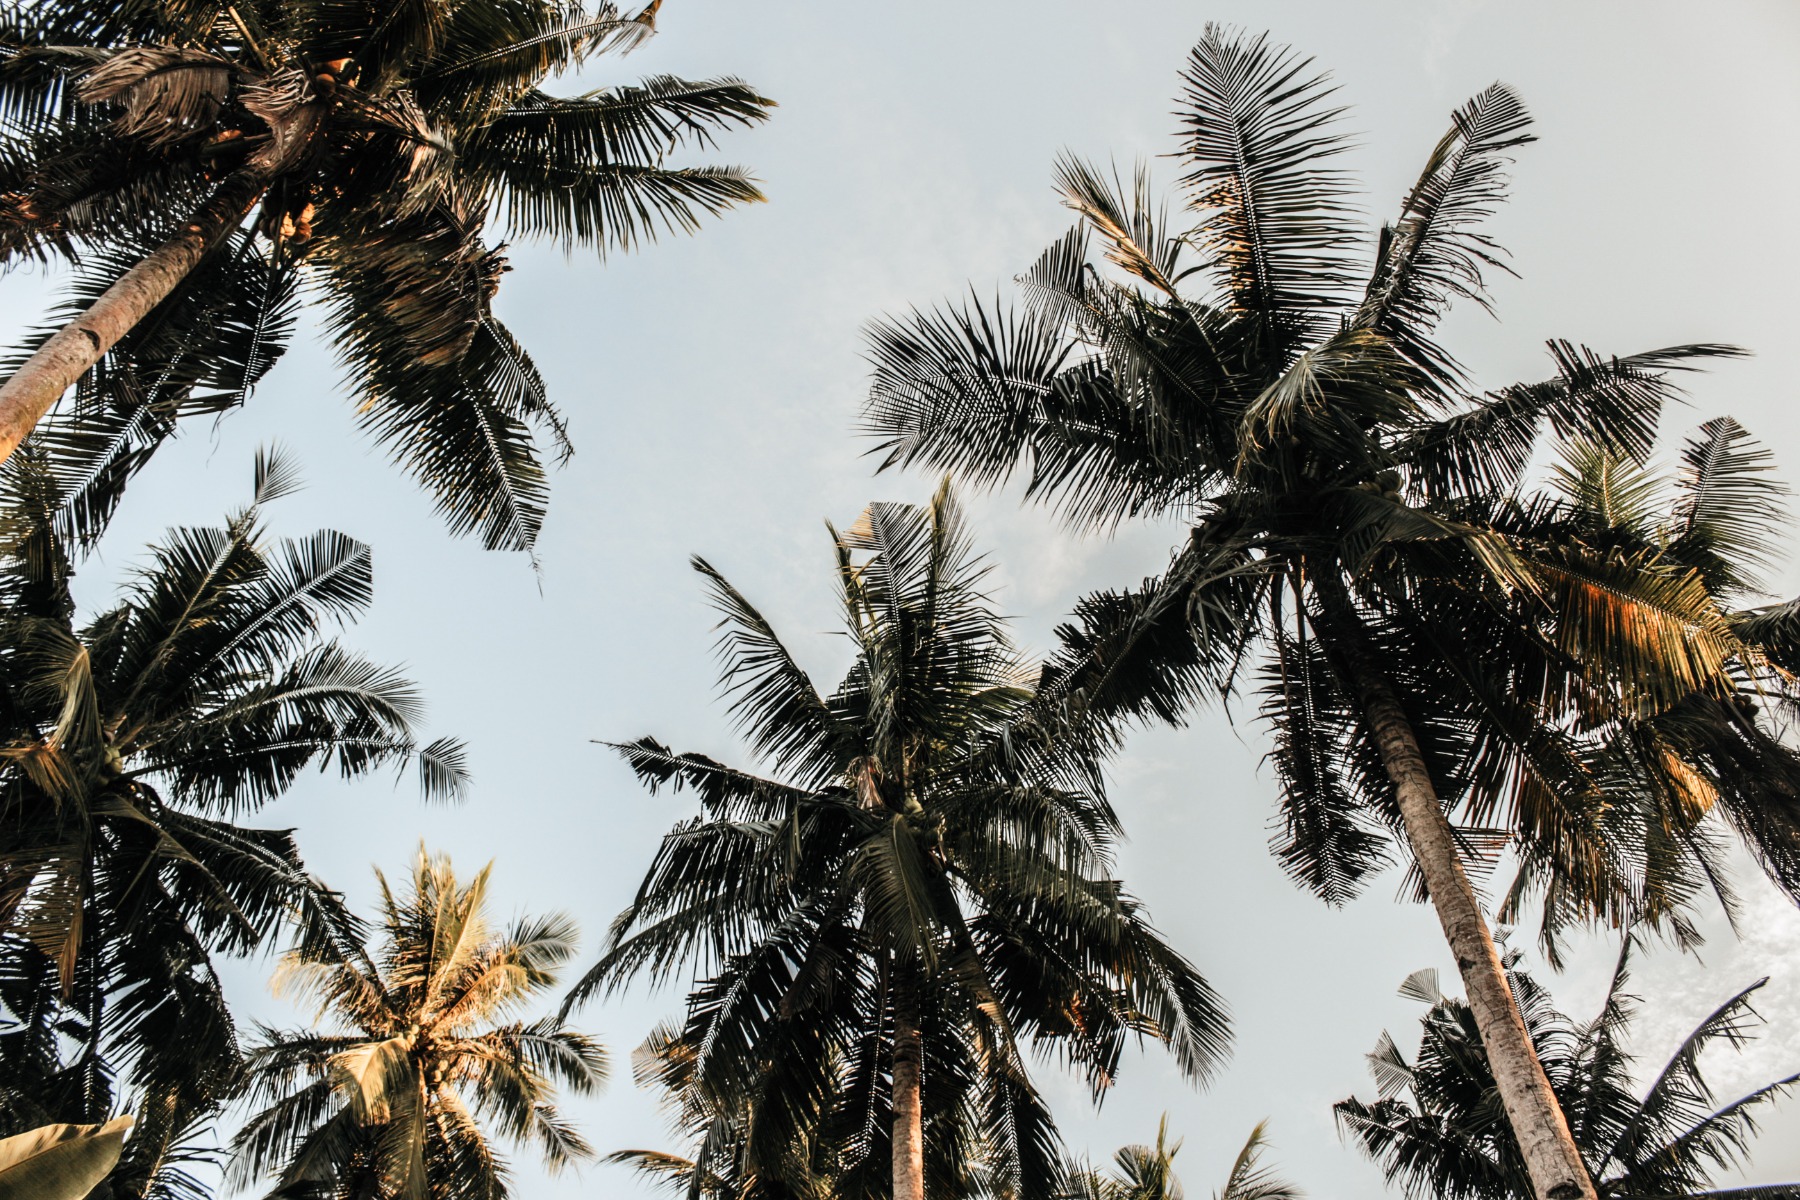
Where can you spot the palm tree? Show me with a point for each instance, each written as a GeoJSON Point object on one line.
{"type": "Point", "coordinates": [721, 1167]}
{"type": "Point", "coordinates": [206, 158]}
{"type": "Point", "coordinates": [1436, 1130]}
{"type": "Point", "coordinates": [131, 746]}
{"type": "Point", "coordinates": [429, 1058]}
{"type": "Point", "coordinates": [1148, 1173]}
{"type": "Point", "coordinates": [921, 886]}
{"type": "Point", "coordinates": [1429, 645]}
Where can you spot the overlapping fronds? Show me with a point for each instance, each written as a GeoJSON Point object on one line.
{"type": "Point", "coordinates": [1318, 441]}
{"type": "Point", "coordinates": [377, 141]}
{"type": "Point", "coordinates": [1256, 126]}
{"type": "Point", "coordinates": [131, 742]}
{"type": "Point", "coordinates": [427, 1052]}
{"type": "Point", "coordinates": [1437, 1129]}
{"type": "Point", "coordinates": [930, 845]}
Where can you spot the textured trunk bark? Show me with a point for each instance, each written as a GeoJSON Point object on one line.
{"type": "Point", "coordinates": [59, 362]}
{"type": "Point", "coordinates": [909, 1125]}
{"type": "Point", "coordinates": [1551, 1156]}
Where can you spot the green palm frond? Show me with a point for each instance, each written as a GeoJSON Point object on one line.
{"type": "Point", "coordinates": [1608, 491]}
{"type": "Point", "coordinates": [1436, 252]}
{"type": "Point", "coordinates": [1611, 403]}
{"type": "Point", "coordinates": [1436, 1130]}
{"type": "Point", "coordinates": [773, 699]}
{"type": "Point", "coordinates": [131, 743]}
{"type": "Point", "coordinates": [940, 375]}
{"type": "Point", "coordinates": [1364, 540]}
{"type": "Point", "coordinates": [1256, 131]}
{"type": "Point", "coordinates": [1728, 511]}
{"type": "Point", "coordinates": [928, 846]}
{"type": "Point", "coordinates": [384, 149]}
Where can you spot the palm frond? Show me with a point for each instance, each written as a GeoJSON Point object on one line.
{"type": "Point", "coordinates": [1256, 125]}
{"type": "Point", "coordinates": [772, 697]}
{"type": "Point", "coordinates": [1728, 512]}
{"type": "Point", "coordinates": [1436, 252]}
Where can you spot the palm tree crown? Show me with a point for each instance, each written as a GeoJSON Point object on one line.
{"type": "Point", "coordinates": [130, 746]}
{"type": "Point", "coordinates": [1426, 639]}
{"type": "Point", "coordinates": [1148, 1173]}
{"type": "Point", "coordinates": [921, 889]}
{"type": "Point", "coordinates": [427, 1056]}
{"type": "Point", "coordinates": [1435, 1131]}
{"type": "Point", "coordinates": [208, 159]}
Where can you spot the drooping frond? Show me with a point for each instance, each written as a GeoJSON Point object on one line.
{"type": "Point", "coordinates": [960, 390]}
{"type": "Point", "coordinates": [1611, 403]}
{"type": "Point", "coordinates": [1728, 513]}
{"type": "Point", "coordinates": [771, 695]}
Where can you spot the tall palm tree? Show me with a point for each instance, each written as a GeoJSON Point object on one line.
{"type": "Point", "coordinates": [1148, 1173]}
{"type": "Point", "coordinates": [131, 745]}
{"type": "Point", "coordinates": [207, 158]}
{"type": "Point", "coordinates": [1436, 1131]}
{"type": "Point", "coordinates": [429, 1059]}
{"type": "Point", "coordinates": [921, 886]}
{"type": "Point", "coordinates": [1429, 645]}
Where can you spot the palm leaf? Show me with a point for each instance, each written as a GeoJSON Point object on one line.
{"type": "Point", "coordinates": [1436, 253]}
{"type": "Point", "coordinates": [1255, 126]}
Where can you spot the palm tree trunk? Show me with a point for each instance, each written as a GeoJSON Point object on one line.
{"type": "Point", "coordinates": [1539, 1126]}
{"type": "Point", "coordinates": [909, 1124]}
{"type": "Point", "coordinates": [61, 361]}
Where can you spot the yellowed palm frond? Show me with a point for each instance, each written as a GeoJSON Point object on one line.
{"type": "Point", "coordinates": [459, 930]}
{"type": "Point", "coordinates": [1632, 620]}
{"type": "Point", "coordinates": [49, 770]}
{"type": "Point", "coordinates": [375, 1076]}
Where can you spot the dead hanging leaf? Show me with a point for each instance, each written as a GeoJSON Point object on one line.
{"type": "Point", "coordinates": [287, 103]}
{"type": "Point", "coordinates": [167, 94]}
{"type": "Point", "coordinates": [50, 917]}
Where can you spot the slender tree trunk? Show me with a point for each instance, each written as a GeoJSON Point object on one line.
{"type": "Point", "coordinates": [1551, 1156]}
{"type": "Point", "coordinates": [61, 361]}
{"type": "Point", "coordinates": [909, 1124]}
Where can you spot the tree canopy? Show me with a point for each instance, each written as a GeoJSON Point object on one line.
{"type": "Point", "coordinates": [360, 154]}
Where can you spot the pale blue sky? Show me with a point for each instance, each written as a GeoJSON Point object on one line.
{"type": "Point", "coordinates": [712, 385]}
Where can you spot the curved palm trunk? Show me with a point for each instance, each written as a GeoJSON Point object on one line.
{"type": "Point", "coordinates": [61, 361]}
{"type": "Point", "coordinates": [909, 1126]}
{"type": "Point", "coordinates": [1551, 1156]}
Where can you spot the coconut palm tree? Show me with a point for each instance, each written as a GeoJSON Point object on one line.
{"type": "Point", "coordinates": [1148, 1173]}
{"type": "Point", "coordinates": [720, 1166]}
{"type": "Point", "coordinates": [206, 159]}
{"type": "Point", "coordinates": [1436, 1129]}
{"type": "Point", "coordinates": [919, 887]}
{"type": "Point", "coordinates": [132, 743]}
{"type": "Point", "coordinates": [429, 1057]}
{"type": "Point", "coordinates": [1445, 665]}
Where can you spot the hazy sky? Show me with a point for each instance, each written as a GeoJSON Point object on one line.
{"type": "Point", "coordinates": [712, 385]}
